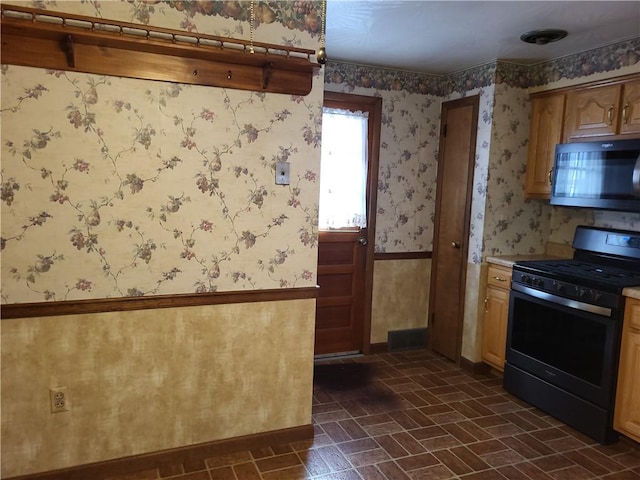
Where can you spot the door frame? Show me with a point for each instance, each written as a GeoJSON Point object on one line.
{"type": "Point", "coordinates": [373, 105]}
{"type": "Point", "coordinates": [474, 102]}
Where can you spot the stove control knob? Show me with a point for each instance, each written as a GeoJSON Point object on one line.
{"type": "Point", "coordinates": [525, 279]}
{"type": "Point", "coordinates": [539, 282]}
{"type": "Point", "coordinates": [582, 292]}
{"type": "Point", "coordinates": [597, 296]}
{"type": "Point", "coordinates": [558, 286]}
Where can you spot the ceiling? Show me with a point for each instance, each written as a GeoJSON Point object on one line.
{"type": "Point", "coordinates": [442, 37]}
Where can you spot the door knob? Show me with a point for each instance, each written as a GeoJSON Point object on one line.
{"type": "Point", "coordinates": [363, 241]}
{"type": "Point", "coordinates": [455, 244]}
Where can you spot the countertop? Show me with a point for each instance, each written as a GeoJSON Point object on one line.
{"type": "Point", "coordinates": [509, 260]}
{"type": "Point", "coordinates": [632, 292]}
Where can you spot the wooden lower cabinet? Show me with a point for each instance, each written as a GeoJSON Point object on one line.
{"type": "Point", "coordinates": [626, 418]}
{"type": "Point", "coordinates": [494, 337]}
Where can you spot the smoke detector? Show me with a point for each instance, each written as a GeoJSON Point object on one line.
{"type": "Point", "coordinates": [542, 37]}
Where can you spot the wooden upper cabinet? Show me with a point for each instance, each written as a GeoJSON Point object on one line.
{"type": "Point", "coordinates": [630, 113]}
{"type": "Point", "coordinates": [603, 111]}
{"type": "Point", "coordinates": [592, 112]}
{"type": "Point", "coordinates": [606, 110]}
{"type": "Point", "coordinates": [547, 114]}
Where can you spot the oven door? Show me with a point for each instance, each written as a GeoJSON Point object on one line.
{"type": "Point", "coordinates": [573, 349]}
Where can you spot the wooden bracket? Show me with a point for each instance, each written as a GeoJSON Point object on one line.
{"type": "Point", "coordinates": [267, 70]}
{"type": "Point", "coordinates": [70, 51]}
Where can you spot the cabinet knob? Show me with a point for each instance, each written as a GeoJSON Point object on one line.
{"type": "Point", "coordinates": [455, 244]}
{"type": "Point", "coordinates": [550, 175]}
{"type": "Point", "coordinates": [500, 279]}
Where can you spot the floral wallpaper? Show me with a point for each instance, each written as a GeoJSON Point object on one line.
{"type": "Point", "coordinates": [513, 224]}
{"type": "Point", "coordinates": [407, 173]}
{"type": "Point", "coordinates": [148, 188]}
{"type": "Point", "coordinates": [170, 187]}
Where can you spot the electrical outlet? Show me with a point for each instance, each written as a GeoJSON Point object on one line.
{"type": "Point", "coordinates": [59, 399]}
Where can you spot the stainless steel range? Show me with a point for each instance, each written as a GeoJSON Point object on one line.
{"type": "Point", "coordinates": [565, 319]}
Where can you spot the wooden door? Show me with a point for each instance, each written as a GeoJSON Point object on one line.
{"type": "Point", "coordinates": [345, 256]}
{"type": "Point", "coordinates": [592, 113]}
{"type": "Point", "coordinates": [456, 158]}
{"type": "Point", "coordinates": [630, 121]}
{"type": "Point", "coordinates": [340, 303]}
{"type": "Point", "coordinates": [547, 114]}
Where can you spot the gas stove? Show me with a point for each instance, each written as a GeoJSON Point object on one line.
{"type": "Point", "coordinates": [564, 328]}
{"type": "Point", "coordinates": [605, 262]}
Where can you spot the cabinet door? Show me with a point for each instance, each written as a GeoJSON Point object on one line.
{"type": "Point", "coordinates": [547, 114]}
{"type": "Point", "coordinates": [627, 412]}
{"type": "Point", "coordinates": [494, 339]}
{"type": "Point", "coordinates": [630, 116]}
{"type": "Point", "coordinates": [592, 112]}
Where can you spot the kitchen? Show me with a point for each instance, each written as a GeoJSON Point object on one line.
{"type": "Point", "coordinates": [268, 343]}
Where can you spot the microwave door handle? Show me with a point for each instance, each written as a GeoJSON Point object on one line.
{"type": "Point", "coordinates": [636, 178]}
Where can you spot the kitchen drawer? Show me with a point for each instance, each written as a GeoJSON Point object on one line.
{"type": "Point", "coordinates": [499, 276]}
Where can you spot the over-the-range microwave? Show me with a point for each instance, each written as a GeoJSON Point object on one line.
{"type": "Point", "coordinates": [604, 175]}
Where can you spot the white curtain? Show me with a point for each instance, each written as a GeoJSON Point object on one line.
{"type": "Point", "coordinates": [343, 170]}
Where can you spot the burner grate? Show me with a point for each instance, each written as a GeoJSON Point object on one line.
{"type": "Point", "coordinates": [581, 271]}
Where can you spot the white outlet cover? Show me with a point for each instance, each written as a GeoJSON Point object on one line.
{"type": "Point", "coordinates": [282, 173]}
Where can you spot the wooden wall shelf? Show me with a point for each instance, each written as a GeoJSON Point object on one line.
{"type": "Point", "coordinates": [61, 41]}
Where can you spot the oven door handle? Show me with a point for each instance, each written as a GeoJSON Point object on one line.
{"type": "Point", "coordinates": [567, 302]}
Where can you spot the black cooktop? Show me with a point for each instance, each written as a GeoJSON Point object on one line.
{"type": "Point", "coordinates": [581, 272]}
{"type": "Point", "coordinates": [607, 259]}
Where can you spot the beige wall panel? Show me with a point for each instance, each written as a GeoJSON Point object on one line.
{"type": "Point", "coordinates": [400, 296]}
{"type": "Point", "coordinates": [150, 380]}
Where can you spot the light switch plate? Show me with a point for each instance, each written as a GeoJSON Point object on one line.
{"type": "Point", "coordinates": [282, 173]}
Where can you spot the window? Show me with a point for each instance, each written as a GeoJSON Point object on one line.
{"type": "Point", "coordinates": [343, 170]}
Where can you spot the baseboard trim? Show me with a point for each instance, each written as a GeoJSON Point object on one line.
{"type": "Point", "coordinates": [378, 348]}
{"type": "Point", "coordinates": [179, 460]}
{"type": "Point", "coordinates": [474, 368]}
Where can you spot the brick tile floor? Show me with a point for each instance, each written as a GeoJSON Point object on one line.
{"type": "Point", "coordinates": [421, 417]}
